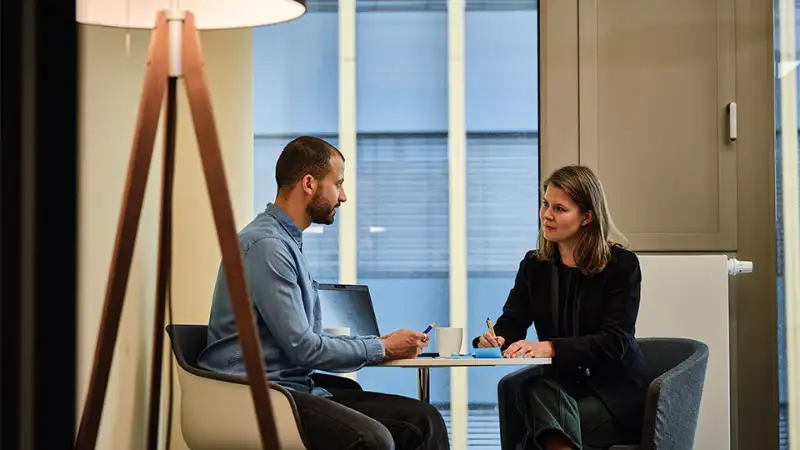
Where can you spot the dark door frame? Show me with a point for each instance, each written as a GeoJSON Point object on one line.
{"type": "Point", "coordinates": [38, 188]}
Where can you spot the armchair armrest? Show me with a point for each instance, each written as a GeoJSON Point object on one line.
{"type": "Point", "coordinates": [673, 405]}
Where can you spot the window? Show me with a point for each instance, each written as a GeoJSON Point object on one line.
{"type": "Point", "coordinates": [502, 200]}
{"type": "Point", "coordinates": [402, 206]}
{"type": "Point", "coordinates": [403, 218]}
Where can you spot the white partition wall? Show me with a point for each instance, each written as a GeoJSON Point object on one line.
{"type": "Point", "coordinates": [687, 296]}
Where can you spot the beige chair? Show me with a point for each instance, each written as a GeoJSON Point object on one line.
{"type": "Point", "coordinates": [217, 410]}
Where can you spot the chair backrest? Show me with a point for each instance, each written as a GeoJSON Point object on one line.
{"type": "Point", "coordinates": [188, 341]}
{"type": "Point", "coordinates": [217, 409]}
{"type": "Point", "coordinates": [664, 354]}
{"type": "Point", "coordinates": [674, 396]}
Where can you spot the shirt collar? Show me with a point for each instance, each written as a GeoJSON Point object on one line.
{"type": "Point", "coordinates": [287, 223]}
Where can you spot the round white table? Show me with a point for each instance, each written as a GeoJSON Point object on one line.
{"type": "Point", "coordinates": [423, 366]}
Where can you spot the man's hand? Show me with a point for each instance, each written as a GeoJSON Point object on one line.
{"type": "Point", "coordinates": [487, 340]}
{"type": "Point", "coordinates": [403, 344]}
{"type": "Point", "coordinates": [529, 349]}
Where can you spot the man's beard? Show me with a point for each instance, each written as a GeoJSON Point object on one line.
{"type": "Point", "coordinates": [320, 210]}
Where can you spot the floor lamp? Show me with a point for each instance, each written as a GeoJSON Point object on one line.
{"type": "Point", "coordinates": [175, 52]}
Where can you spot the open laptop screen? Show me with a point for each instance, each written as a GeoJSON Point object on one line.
{"type": "Point", "coordinates": [348, 306]}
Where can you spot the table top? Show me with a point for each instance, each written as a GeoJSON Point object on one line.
{"type": "Point", "coordinates": [466, 362]}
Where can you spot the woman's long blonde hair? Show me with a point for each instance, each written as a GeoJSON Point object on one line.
{"type": "Point", "coordinates": [593, 249]}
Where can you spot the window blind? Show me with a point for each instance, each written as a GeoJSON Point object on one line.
{"type": "Point", "coordinates": [403, 206]}
{"type": "Point", "coordinates": [502, 201]}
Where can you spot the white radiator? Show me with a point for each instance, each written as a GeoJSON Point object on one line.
{"type": "Point", "coordinates": [687, 296]}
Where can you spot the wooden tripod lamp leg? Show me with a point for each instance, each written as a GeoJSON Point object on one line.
{"type": "Point", "coordinates": [164, 265]}
{"type": "Point", "coordinates": [211, 156]}
{"type": "Point", "coordinates": [127, 228]}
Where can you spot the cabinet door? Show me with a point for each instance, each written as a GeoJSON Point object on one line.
{"type": "Point", "coordinates": [655, 81]}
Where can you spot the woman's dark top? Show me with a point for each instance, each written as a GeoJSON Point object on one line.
{"type": "Point", "coordinates": [591, 323]}
{"type": "Point", "coordinates": [569, 278]}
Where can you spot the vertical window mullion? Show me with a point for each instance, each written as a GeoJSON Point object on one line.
{"type": "Point", "coordinates": [457, 165]}
{"type": "Point", "coordinates": [348, 213]}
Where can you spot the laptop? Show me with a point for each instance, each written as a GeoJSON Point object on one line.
{"type": "Point", "coordinates": [348, 305]}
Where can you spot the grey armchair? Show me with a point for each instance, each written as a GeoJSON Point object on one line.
{"type": "Point", "coordinates": [673, 398]}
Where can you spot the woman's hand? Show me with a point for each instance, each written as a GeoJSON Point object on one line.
{"type": "Point", "coordinates": [487, 341]}
{"type": "Point", "coordinates": [529, 349]}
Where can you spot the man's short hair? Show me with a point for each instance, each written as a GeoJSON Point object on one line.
{"type": "Point", "coordinates": [304, 155]}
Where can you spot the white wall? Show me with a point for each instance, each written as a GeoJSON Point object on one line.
{"type": "Point", "coordinates": [110, 85]}
{"type": "Point", "coordinates": [109, 93]}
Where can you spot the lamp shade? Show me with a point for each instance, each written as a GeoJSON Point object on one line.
{"type": "Point", "coordinates": [209, 14]}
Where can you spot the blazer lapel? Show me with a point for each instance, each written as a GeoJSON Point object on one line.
{"type": "Point", "coordinates": [576, 306]}
{"type": "Point", "coordinates": [554, 292]}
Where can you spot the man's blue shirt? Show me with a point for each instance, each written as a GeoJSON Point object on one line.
{"type": "Point", "coordinates": [287, 309]}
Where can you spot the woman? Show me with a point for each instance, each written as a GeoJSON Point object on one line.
{"type": "Point", "coordinates": [580, 290]}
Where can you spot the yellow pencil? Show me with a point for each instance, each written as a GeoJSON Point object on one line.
{"type": "Point", "coordinates": [491, 328]}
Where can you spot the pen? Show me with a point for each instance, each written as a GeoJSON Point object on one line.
{"type": "Point", "coordinates": [491, 328]}
{"type": "Point", "coordinates": [430, 327]}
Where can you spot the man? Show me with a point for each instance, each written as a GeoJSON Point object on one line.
{"type": "Point", "coordinates": [310, 177]}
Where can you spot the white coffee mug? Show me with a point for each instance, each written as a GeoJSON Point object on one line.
{"type": "Point", "coordinates": [337, 331]}
{"type": "Point", "coordinates": [449, 341]}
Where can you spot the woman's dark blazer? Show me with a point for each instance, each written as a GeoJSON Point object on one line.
{"type": "Point", "coordinates": [604, 356]}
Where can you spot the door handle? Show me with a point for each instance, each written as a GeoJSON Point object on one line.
{"type": "Point", "coordinates": [732, 121]}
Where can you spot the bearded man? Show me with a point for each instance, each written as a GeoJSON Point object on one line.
{"type": "Point", "coordinates": [333, 414]}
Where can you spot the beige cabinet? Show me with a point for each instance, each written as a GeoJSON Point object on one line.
{"type": "Point", "coordinates": [655, 79]}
